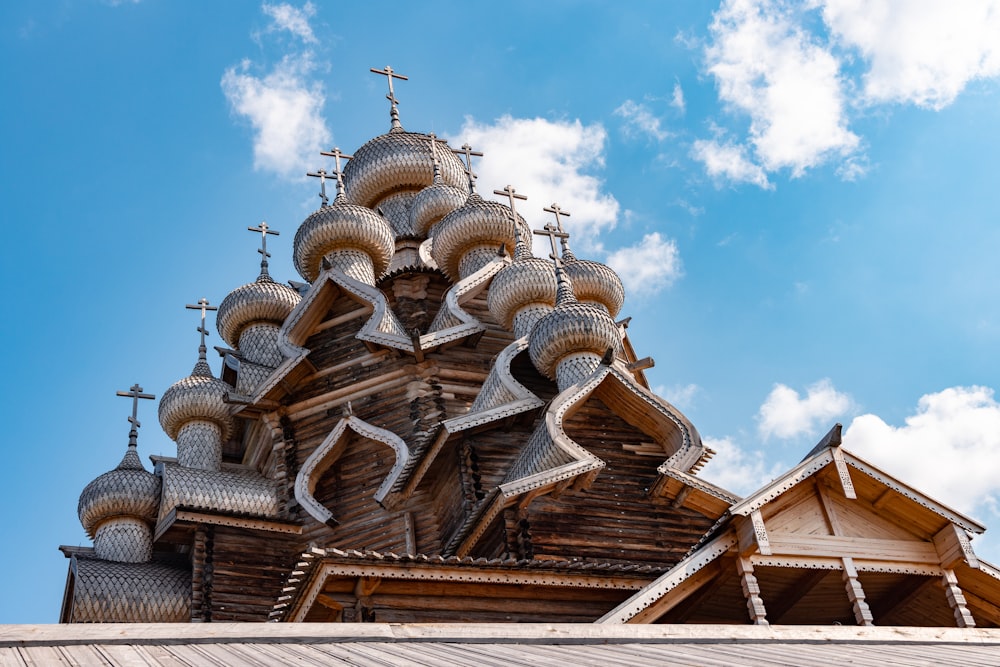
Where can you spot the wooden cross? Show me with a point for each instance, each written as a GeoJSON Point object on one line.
{"type": "Point", "coordinates": [390, 75]}
{"type": "Point", "coordinates": [558, 212]}
{"type": "Point", "coordinates": [511, 197]}
{"type": "Point", "coordinates": [264, 231]}
{"type": "Point", "coordinates": [135, 392]}
{"type": "Point", "coordinates": [204, 308]}
{"type": "Point", "coordinates": [321, 174]}
{"type": "Point", "coordinates": [467, 151]}
{"type": "Point", "coordinates": [553, 233]}
{"type": "Point", "coordinates": [336, 154]}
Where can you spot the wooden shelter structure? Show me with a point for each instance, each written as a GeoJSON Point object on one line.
{"type": "Point", "coordinates": [437, 426]}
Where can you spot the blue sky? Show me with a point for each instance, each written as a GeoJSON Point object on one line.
{"type": "Point", "coordinates": [802, 201]}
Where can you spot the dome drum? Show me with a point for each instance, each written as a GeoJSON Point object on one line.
{"type": "Point", "coordinates": [576, 366]}
{"type": "Point", "coordinates": [258, 344]}
{"type": "Point", "coordinates": [199, 445]}
{"type": "Point", "coordinates": [528, 316]}
{"type": "Point", "coordinates": [124, 540]}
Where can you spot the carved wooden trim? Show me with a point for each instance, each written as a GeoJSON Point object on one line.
{"type": "Point", "coordinates": [751, 591]}
{"type": "Point", "coordinates": [956, 600]}
{"type": "Point", "coordinates": [330, 450]}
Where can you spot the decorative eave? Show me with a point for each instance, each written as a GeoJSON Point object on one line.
{"type": "Point", "coordinates": [685, 490]}
{"type": "Point", "coordinates": [381, 328]}
{"type": "Point", "coordinates": [834, 454]}
{"type": "Point", "coordinates": [330, 450]}
{"type": "Point", "coordinates": [552, 461]}
{"type": "Point", "coordinates": [501, 398]}
{"type": "Point", "coordinates": [306, 580]}
{"type": "Point", "coordinates": [181, 520]}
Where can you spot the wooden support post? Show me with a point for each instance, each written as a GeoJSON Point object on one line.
{"type": "Point", "coordinates": [410, 533]}
{"type": "Point", "coordinates": [956, 600]}
{"type": "Point", "coordinates": [856, 594]}
{"type": "Point", "coordinates": [751, 591]}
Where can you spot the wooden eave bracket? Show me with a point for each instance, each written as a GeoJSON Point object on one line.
{"type": "Point", "coordinates": [752, 534]}
{"type": "Point", "coordinates": [953, 547]}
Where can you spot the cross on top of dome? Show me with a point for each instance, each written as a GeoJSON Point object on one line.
{"type": "Point", "coordinates": [564, 239]}
{"type": "Point", "coordinates": [520, 244]}
{"type": "Point", "coordinates": [135, 393]}
{"type": "Point", "coordinates": [336, 154]}
{"type": "Point", "coordinates": [467, 151]}
{"type": "Point", "coordinates": [389, 74]}
{"type": "Point", "coordinates": [203, 306]}
{"type": "Point", "coordinates": [264, 231]}
{"type": "Point", "coordinates": [321, 175]}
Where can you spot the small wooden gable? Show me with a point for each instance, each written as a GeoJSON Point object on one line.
{"type": "Point", "coordinates": [834, 540]}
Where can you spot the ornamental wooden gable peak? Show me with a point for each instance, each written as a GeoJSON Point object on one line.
{"type": "Point", "coordinates": [834, 540]}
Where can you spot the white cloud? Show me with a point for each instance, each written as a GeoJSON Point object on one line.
{"type": "Point", "coordinates": [549, 161]}
{"type": "Point", "coordinates": [640, 120]}
{"type": "Point", "coordinates": [798, 71]}
{"type": "Point", "coordinates": [785, 414]}
{"type": "Point", "coordinates": [922, 52]}
{"type": "Point", "coordinates": [296, 21]}
{"type": "Point", "coordinates": [680, 396]}
{"type": "Point", "coordinates": [648, 267]}
{"type": "Point", "coordinates": [677, 99]}
{"type": "Point", "coordinates": [767, 66]}
{"type": "Point", "coordinates": [735, 469]}
{"type": "Point", "coordinates": [285, 109]}
{"type": "Point", "coordinates": [729, 162]}
{"type": "Point", "coordinates": [950, 448]}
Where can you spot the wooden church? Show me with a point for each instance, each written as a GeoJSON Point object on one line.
{"type": "Point", "coordinates": [437, 426]}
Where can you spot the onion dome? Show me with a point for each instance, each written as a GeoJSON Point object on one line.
{"type": "Point", "coordinates": [117, 509]}
{"type": "Point", "coordinates": [522, 292]}
{"type": "Point", "coordinates": [398, 161]}
{"type": "Point", "coordinates": [434, 202]}
{"type": "Point", "coordinates": [260, 301]}
{"type": "Point", "coordinates": [568, 343]}
{"type": "Point", "coordinates": [353, 238]}
{"type": "Point", "coordinates": [193, 411]}
{"type": "Point", "coordinates": [198, 397]}
{"type": "Point", "coordinates": [595, 283]}
{"type": "Point", "coordinates": [468, 237]}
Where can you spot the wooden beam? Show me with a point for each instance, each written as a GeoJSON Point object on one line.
{"type": "Point", "coordinates": [828, 511]}
{"type": "Point", "coordinates": [984, 608]}
{"type": "Point", "coordinates": [862, 548]}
